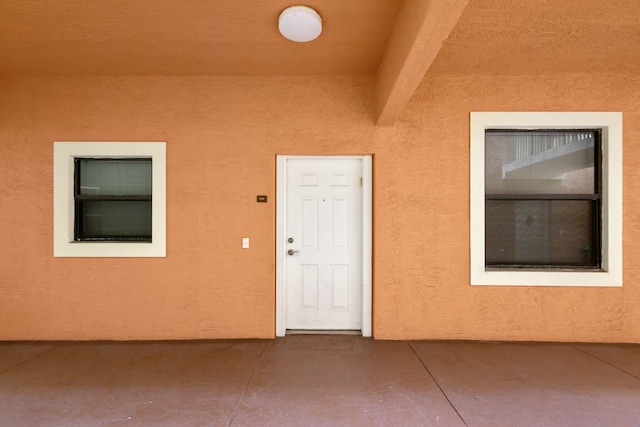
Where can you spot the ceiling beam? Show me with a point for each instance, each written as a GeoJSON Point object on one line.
{"type": "Point", "coordinates": [418, 34]}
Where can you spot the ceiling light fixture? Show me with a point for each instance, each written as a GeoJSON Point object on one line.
{"type": "Point", "coordinates": [300, 24]}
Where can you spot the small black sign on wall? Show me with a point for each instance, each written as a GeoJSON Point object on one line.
{"type": "Point", "coordinates": [261, 199]}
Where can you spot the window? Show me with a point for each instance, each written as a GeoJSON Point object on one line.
{"type": "Point", "coordinates": [109, 199]}
{"type": "Point", "coordinates": [542, 198]}
{"type": "Point", "coordinates": [546, 205]}
{"type": "Point", "coordinates": [113, 199]}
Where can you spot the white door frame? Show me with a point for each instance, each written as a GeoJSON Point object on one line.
{"type": "Point", "coordinates": [366, 247]}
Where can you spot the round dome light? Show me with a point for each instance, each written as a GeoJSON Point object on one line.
{"type": "Point", "coordinates": [300, 24]}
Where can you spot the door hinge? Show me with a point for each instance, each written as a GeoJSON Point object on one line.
{"type": "Point", "coordinates": [360, 181]}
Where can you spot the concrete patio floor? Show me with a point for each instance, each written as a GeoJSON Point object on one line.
{"type": "Point", "coordinates": [318, 380]}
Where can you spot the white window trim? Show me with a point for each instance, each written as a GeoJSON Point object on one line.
{"type": "Point", "coordinates": [64, 154]}
{"type": "Point", "coordinates": [611, 125]}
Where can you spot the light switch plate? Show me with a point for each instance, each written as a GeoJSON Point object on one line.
{"type": "Point", "coordinates": [245, 243]}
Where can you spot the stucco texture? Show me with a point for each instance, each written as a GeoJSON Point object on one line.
{"type": "Point", "coordinates": [223, 135]}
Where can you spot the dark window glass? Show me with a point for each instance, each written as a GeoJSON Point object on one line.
{"type": "Point", "coordinates": [542, 199]}
{"type": "Point", "coordinates": [113, 199]}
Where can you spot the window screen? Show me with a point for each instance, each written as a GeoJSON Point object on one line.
{"type": "Point", "coordinates": [113, 199]}
{"type": "Point", "coordinates": [542, 198]}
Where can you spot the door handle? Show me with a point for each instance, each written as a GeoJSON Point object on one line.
{"type": "Point", "coordinates": [291, 252]}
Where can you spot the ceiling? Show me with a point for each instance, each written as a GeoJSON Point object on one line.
{"type": "Point", "coordinates": [188, 37]}
{"type": "Point", "coordinates": [543, 37]}
{"type": "Point", "coordinates": [398, 41]}
{"type": "Point", "coordinates": [231, 37]}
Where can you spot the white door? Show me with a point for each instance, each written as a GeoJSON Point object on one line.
{"type": "Point", "coordinates": [323, 244]}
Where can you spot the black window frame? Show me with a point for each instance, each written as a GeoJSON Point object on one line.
{"type": "Point", "coordinates": [79, 199]}
{"type": "Point", "coordinates": [594, 198]}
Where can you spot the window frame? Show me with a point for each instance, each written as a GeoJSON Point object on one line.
{"type": "Point", "coordinates": [64, 243]}
{"type": "Point", "coordinates": [593, 198]}
{"type": "Point", "coordinates": [610, 273]}
{"type": "Point", "coordinates": [80, 201]}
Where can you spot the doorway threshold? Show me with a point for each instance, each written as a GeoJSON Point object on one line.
{"type": "Point", "coordinates": [322, 332]}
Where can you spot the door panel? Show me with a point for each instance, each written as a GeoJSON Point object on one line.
{"type": "Point", "coordinates": [323, 280]}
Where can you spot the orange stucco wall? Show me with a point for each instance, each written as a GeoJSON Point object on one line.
{"type": "Point", "coordinates": [222, 135]}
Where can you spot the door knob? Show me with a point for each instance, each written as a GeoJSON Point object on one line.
{"type": "Point", "coordinates": [291, 252]}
